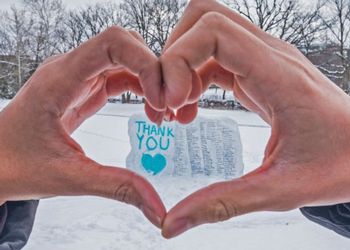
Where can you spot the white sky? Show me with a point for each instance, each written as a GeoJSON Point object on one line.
{"type": "Point", "coordinates": [6, 4]}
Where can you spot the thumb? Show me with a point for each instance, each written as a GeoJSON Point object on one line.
{"type": "Point", "coordinates": [117, 184]}
{"type": "Point", "coordinates": [215, 203]}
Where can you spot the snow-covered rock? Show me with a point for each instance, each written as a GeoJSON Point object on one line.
{"type": "Point", "coordinates": [206, 147]}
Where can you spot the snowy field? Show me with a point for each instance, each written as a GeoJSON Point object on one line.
{"type": "Point", "coordinates": [91, 223]}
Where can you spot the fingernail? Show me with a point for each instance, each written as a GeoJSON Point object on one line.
{"type": "Point", "coordinates": [159, 123]}
{"type": "Point", "coordinates": [159, 221]}
{"type": "Point", "coordinates": [177, 228]}
{"type": "Point", "coordinates": [153, 217]}
{"type": "Point", "coordinates": [167, 118]}
{"type": "Point", "coordinates": [159, 119]}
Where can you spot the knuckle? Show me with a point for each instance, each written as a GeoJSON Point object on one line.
{"type": "Point", "coordinates": [123, 192]}
{"type": "Point", "coordinates": [199, 4]}
{"type": "Point", "coordinates": [118, 42]}
{"type": "Point", "coordinates": [114, 30]}
{"type": "Point", "coordinates": [113, 34]}
{"type": "Point", "coordinates": [223, 211]}
{"type": "Point", "coordinates": [222, 208]}
{"type": "Point", "coordinates": [212, 20]}
{"type": "Point", "coordinates": [109, 35]}
{"type": "Point", "coordinates": [194, 4]}
{"type": "Point", "coordinates": [114, 41]}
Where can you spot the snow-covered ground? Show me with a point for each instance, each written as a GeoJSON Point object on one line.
{"type": "Point", "coordinates": [98, 224]}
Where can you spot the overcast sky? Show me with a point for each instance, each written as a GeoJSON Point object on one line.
{"type": "Point", "coordinates": [6, 4]}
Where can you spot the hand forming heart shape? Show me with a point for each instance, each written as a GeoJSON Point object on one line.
{"type": "Point", "coordinates": [210, 44]}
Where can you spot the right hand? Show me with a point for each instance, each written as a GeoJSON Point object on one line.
{"type": "Point", "coordinates": [307, 157]}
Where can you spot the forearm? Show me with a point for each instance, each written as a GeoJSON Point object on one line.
{"type": "Point", "coordinates": [6, 184]}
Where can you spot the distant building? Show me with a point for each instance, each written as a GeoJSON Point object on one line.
{"type": "Point", "coordinates": [330, 62]}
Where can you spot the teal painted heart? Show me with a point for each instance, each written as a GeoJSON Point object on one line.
{"type": "Point", "coordinates": [155, 164]}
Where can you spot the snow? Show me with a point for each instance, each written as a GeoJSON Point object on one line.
{"type": "Point", "coordinates": [3, 103]}
{"type": "Point", "coordinates": [216, 94]}
{"type": "Point", "coordinates": [68, 223]}
{"type": "Point", "coordinates": [212, 94]}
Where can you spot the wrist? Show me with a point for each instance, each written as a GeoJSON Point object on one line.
{"type": "Point", "coordinates": [6, 162]}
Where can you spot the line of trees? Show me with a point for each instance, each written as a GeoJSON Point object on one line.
{"type": "Point", "coordinates": [41, 28]}
{"type": "Point", "coordinates": [38, 29]}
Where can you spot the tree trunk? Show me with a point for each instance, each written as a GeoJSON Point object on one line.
{"type": "Point", "coordinates": [128, 97]}
{"type": "Point", "coordinates": [19, 71]}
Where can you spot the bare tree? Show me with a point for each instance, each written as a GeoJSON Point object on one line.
{"type": "Point", "coordinates": [336, 17]}
{"type": "Point", "coordinates": [289, 20]}
{"type": "Point", "coordinates": [87, 22]}
{"type": "Point", "coordinates": [166, 14]}
{"type": "Point", "coordinates": [153, 19]}
{"type": "Point", "coordinates": [28, 36]}
{"type": "Point", "coordinates": [308, 29]}
{"type": "Point", "coordinates": [98, 17]}
{"type": "Point", "coordinates": [74, 34]}
{"type": "Point", "coordinates": [303, 26]}
{"type": "Point", "coordinates": [47, 16]}
{"type": "Point", "coordinates": [14, 40]}
{"type": "Point", "coordinates": [267, 14]}
{"type": "Point", "coordinates": [139, 17]}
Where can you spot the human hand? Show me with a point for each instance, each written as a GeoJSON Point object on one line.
{"type": "Point", "coordinates": [38, 157]}
{"type": "Point", "coordinates": [307, 157]}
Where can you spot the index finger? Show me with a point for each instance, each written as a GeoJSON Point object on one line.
{"type": "Point", "coordinates": [197, 8]}
{"type": "Point", "coordinates": [111, 49]}
{"type": "Point", "coordinates": [233, 47]}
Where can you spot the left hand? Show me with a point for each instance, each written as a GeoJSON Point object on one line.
{"type": "Point", "coordinates": [39, 158]}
